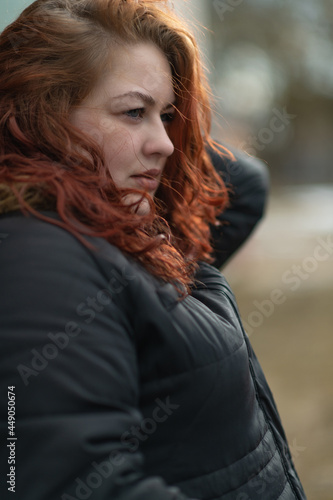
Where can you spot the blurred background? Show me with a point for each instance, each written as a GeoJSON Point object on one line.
{"type": "Point", "coordinates": [270, 66]}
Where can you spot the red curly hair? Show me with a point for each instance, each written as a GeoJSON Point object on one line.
{"type": "Point", "coordinates": [50, 59]}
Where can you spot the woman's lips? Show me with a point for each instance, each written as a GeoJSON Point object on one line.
{"type": "Point", "coordinates": [149, 181]}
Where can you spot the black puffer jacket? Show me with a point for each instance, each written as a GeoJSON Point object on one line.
{"type": "Point", "coordinates": [122, 391]}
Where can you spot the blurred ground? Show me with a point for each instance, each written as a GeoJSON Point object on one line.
{"type": "Point", "coordinates": [283, 282]}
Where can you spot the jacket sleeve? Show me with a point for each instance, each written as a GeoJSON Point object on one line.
{"type": "Point", "coordinates": [248, 182]}
{"type": "Point", "coordinates": [68, 356]}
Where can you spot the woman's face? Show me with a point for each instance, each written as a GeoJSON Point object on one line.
{"type": "Point", "coordinates": [128, 114]}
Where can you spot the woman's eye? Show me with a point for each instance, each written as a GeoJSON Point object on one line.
{"type": "Point", "coordinates": [135, 113]}
{"type": "Point", "coordinates": [167, 117]}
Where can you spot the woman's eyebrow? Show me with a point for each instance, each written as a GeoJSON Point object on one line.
{"type": "Point", "coordinates": [146, 98]}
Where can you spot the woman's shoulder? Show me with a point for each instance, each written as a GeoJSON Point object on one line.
{"type": "Point", "coordinates": [28, 241]}
{"type": "Point", "coordinates": [48, 272]}
{"type": "Point", "coordinates": [45, 233]}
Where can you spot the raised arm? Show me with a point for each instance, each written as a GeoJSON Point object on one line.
{"type": "Point", "coordinates": [249, 182]}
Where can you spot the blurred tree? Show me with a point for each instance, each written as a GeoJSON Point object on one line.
{"type": "Point", "coordinates": [274, 58]}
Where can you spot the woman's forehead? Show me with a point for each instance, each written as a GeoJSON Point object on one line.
{"type": "Point", "coordinates": [141, 68]}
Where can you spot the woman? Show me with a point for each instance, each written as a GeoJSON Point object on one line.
{"type": "Point", "coordinates": [128, 373]}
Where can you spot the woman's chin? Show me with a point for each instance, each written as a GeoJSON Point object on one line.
{"type": "Point", "coordinates": [139, 207]}
{"type": "Point", "coordinates": [143, 208]}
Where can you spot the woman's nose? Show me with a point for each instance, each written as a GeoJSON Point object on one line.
{"type": "Point", "coordinates": [158, 141]}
